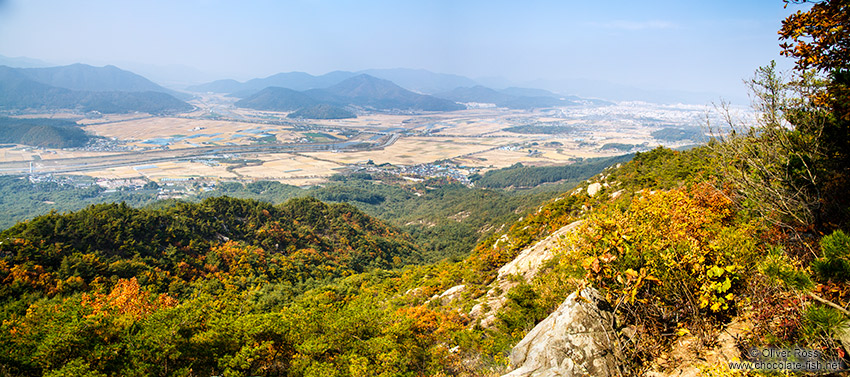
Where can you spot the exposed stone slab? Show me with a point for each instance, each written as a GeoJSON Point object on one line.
{"type": "Point", "coordinates": [578, 339]}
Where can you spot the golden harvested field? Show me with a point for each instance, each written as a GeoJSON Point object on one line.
{"type": "Point", "coordinates": [123, 172]}
{"type": "Point", "coordinates": [409, 151]}
{"type": "Point", "coordinates": [113, 118]}
{"type": "Point", "coordinates": [172, 170]}
{"type": "Point", "coordinates": [200, 131]}
{"type": "Point", "coordinates": [284, 166]}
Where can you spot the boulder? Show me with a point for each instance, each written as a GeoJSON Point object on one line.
{"type": "Point", "coordinates": [578, 339]}
{"type": "Point", "coordinates": [593, 188]}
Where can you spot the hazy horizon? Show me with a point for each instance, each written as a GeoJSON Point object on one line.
{"type": "Point", "coordinates": [669, 45]}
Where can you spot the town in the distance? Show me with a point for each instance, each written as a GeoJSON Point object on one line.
{"type": "Point", "coordinates": [104, 126]}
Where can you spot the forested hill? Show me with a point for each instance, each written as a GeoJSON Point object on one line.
{"type": "Point", "coordinates": [298, 242]}
{"type": "Point", "coordinates": [38, 132]}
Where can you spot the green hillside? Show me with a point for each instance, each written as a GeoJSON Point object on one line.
{"type": "Point", "coordinates": [39, 132]}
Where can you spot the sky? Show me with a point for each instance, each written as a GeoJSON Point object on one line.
{"type": "Point", "coordinates": [701, 46]}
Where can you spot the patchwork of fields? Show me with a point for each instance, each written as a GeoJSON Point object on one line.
{"type": "Point", "coordinates": [185, 147]}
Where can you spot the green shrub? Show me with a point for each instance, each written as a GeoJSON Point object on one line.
{"type": "Point", "coordinates": [820, 323]}
{"type": "Point", "coordinates": [780, 267]}
{"type": "Point", "coordinates": [835, 263]}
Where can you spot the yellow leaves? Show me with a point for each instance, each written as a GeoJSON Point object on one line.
{"type": "Point", "coordinates": [716, 306]}
{"type": "Point", "coordinates": [669, 247]}
{"type": "Point", "coordinates": [32, 275]}
{"type": "Point", "coordinates": [240, 259]}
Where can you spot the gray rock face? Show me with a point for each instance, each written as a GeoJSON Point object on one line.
{"type": "Point", "coordinates": [578, 339]}
{"type": "Point", "coordinates": [525, 265]}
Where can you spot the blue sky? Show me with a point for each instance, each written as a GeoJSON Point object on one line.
{"type": "Point", "coordinates": [683, 45]}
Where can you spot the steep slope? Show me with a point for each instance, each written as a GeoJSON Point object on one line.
{"type": "Point", "coordinates": [228, 280]}
{"type": "Point", "coordinates": [577, 339]}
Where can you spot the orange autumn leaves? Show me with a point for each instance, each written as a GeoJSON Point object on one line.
{"type": "Point", "coordinates": [819, 37]}
{"type": "Point", "coordinates": [127, 299]}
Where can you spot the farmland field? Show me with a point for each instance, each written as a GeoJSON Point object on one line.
{"type": "Point", "coordinates": [263, 145]}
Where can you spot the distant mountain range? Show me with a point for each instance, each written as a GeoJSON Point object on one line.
{"type": "Point", "coordinates": [95, 79]}
{"type": "Point", "coordinates": [417, 80]}
{"type": "Point", "coordinates": [23, 62]}
{"type": "Point", "coordinates": [290, 80]}
{"type": "Point", "coordinates": [512, 98]}
{"type": "Point", "coordinates": [454, 88]}
{"type": "Point", "coordinates": [363, 91]}
{"type": "Point", "coordinates": [84, 88]}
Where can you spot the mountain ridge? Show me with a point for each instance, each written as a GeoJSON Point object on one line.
{"type": "Point", "coordinates": [360, 91]}
{"type": "Point", "coordinates": [20, 92]}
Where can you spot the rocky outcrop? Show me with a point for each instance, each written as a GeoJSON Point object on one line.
{"type": "Point", "coordinates": [578, 339]}
{"type": "Point", "coordinates": [528, 262]}
{"type": "Point", "coordinates": [526, 266]}
{"type": "Point", "coordinates": [593, 188]}
{"type": "Point", "coordinates": [450, 294]}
